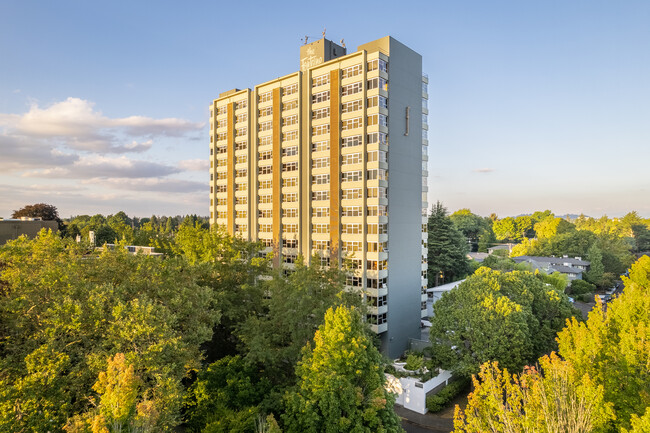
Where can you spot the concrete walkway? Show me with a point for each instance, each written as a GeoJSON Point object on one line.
{"type": "Point", "coordinates": [414, 422]}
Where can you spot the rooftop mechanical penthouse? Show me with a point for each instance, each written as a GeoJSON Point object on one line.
{"type": "Point", "coordinates": [331, 160]}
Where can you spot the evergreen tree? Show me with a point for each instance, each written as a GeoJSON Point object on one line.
{"type": "Point", "coordinates": [341, 381]}
{"type": "Point", "coordinates": [447, 248]}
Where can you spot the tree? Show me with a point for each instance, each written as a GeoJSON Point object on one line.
{"type": "Point", "coordinates": [552, 226]}
{"type": "Point", "coordinates": [46, 212]}
{"type": "Point", "coordinates": [548, 399]}
{"type": "Point", "coordinates": [341, 381]}
{"type": "Point", "coordinates": [447, 248]}
{"type": "Point", "coordinates": [508, 317]}
{"type": "Point", "coordinates": [472, 226]}
{"type": "Point", "coordinates": [596, 269]}
{"type": "Point", "coordinates": [65, 311]}
{"type": "Point", "coordinates": [505, 229]}
{"type": "Point", "coordinates": [613, 347]}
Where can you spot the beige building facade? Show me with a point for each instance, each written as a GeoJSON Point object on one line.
{"type": "Point", "coordinates": [330, 161]}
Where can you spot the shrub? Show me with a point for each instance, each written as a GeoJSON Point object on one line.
{"type": "Point", "coordinates": [414, 362]}
{"type": "Point", "coordinates": [579, 287]}
{"type": "Point", "coordinates": [437, 402]}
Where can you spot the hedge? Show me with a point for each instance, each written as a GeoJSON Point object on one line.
{"type": "Point", "coordinates": [437, 402]}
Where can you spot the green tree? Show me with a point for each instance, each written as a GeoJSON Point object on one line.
{"type": "Point", "coordinates": [552, 226]}
{"type": "Point", "coordinates": [64, 311]}
{"type": "Point", "coordinates": [470, 225]}
{"type": "Point", "coordinates": [508, 317]}
{"type": "Point", "coordinates": [596, 269]}
{"type": "Point", "coordinates": [341, 381]}
{"type": "Point", "coordinates": [447, 248]}
{"type": "Point", "coordinates": [505, 229]}
{"type": "Point", "coordinates": [613, 347]}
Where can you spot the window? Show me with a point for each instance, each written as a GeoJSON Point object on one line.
{"type": "Point", "coordinates": [320, 163]}
{"type": "Point", "coordinates": [351, 71]}
{"type": "Point", "coordinates": [380, 101]}
{"type": "Point", "coordinates": [320, 212]}
{"type": "Point", "coordinates": [351, 89]}
{"type": "Point", "coordinates": [320, 228]}
{"type": "Point", "coordinates": [290, 243]}
{"type": "Point", "coordinates": [290, 181]}
{"type": "Point", "coordinates": [320, 245]}
{"type": "Point", "coordinates": [351, 211]}
{"type": "Point", "coordinates": [377, 173]}
{"type": "Point", "coordinates": [263, 141]}
{"type": "Point", "coordinates": [351, 246]}
{"type": "Point", "coordinates": [321, 113]}
{"type": "Point", "coordinates": [242, 172]}
{"type": "Point", "coordinates": [376, 155]}
{"type": "Point", "coordinates": [351, 123]}
{"type": "Point", "coordinates": [242, 145]}
{"type": "Point", "coordinates": [321, 195]}
{"type": "Point", "coordinates": [351, 193]}
{"type": "Point", "coordinates": [320, 97]}
{"type": "Point", "coordinates": [355, 140]}
{"type": "Point", "coordinates": [221, 175]}
{"type": "Point", "coordinates": [290, 89]}
{"type": "Point", "coordinates": [241, 104]}
{"type": "Point", "coordinates": [266, 228]}
{"type": "Point", "coordinates": [379, 210]}
{"type": "Point", "coordinates": [241, 186]}
{"type": "Point", "coordinates": [221, 150]}
{"type": "Point", "coordinates": [383, 120]}
{"type": "Point", "coordinates": [380, 83]}
{"type": "Point", "coordinates": [290, 197]}
{"type": "Point", "coordinates": [222, 136]}
{"type": "Point", "coordinates": [376, 192]}
{"type": "Point", "coordinates": [289, 213]}
{"type": "Point", "coordinates": [290, 166]}
{"type": "Point", "coordinates": [290, 228]}
{"type": "Point", "coordinates": [222, 202]}
{"type": "Point", "coordinates": [320, 130]}
{"type": "Point", "coordinates": [320, 179]}
{"type": "Point", "coordinates": [353, 280]}
{"type": "Point", "coordinates": [265, 213]}
{"type": "Point", "coordinates": [374, 247]}
{"type": "Point", "coordinates": [265, 97]}
{"type": "Point", "coordinates": [221, 123]}
{"type": "Point", "coordinates": [380, 64]}
{"type": "Point", "coordinates": [373, 265]}
{"type": "Point", "coordinates": [351, 176]}
{"type": "Point", "coordinates": [290, 105]}
{"type": "Point", "coordinates": [265, 169]}
{"type": "Point", "coordinates": [291, 135]}
{"type": "Point", "coordinates": [222, 214]}
{"type": "Point", "coordinates": [351, 229]}
{"type": "Point", "coordinates": [351, 106]}
{"type": "Point", "coordinates": [267, 242]}
{"type": "Point", "coordinates": [266, 111]}
{"type": "Point", "coordinates": [290, 151]}
{"type": "Point", "coordinates": [222, 162]}
{"type": "Point", "coordinates": [351, 158]}
{"type": "Point", "coordinates": [267, 154]}
{"type": "Point", "coordinates": [290, 120]}
{"type": "Point", "coordinates": [241, 200]}
{"type": "Point", "coordinates": [265, 126]}
{"type": "Point", "coordinates": [221, 110]}
{"type": "Point", "coordinates": [320, 80]}
{"type": "Point", "coordinates": [241, 214]}
{"type": "Point", "coordinates": [264, 184]}
{"type": "Point", "coordinates": [222, 188]}
{"type": "Point", "coordinates": [241, 117]}
{"type": "Point", "coordinates": [318, 146]}
{"type": "Point", "coordinates": [267, 198]}
{"type": "Point", "coordinates": [378, 137]}
{"type": "Point", "coordinates": [372, 120]}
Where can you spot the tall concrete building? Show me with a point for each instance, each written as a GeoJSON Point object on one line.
{"type": "Point", "coordinates": [331, 161]}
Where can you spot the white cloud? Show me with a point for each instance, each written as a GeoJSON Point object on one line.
{"type": "Point", "coordinates": [483, 170]}
{"type": "Point", "coordinates": [76, 124]}
{"type": "Point", "coordinates": [194, 165]}
{"type": "Point", "coordinates": [97, 166]}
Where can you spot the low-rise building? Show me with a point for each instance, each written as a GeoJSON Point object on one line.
{"type": "Point", "coordinates": [13, 228]}
{"type": "Point", "coordinates": [572, 267]}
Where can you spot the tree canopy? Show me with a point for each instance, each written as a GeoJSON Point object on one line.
{"type": "Point", "coordinates": [447, 248]}
{"type": "Point", "coordinates": [509, 317]}
{"type": "Point", "coordinates": [341, 381]}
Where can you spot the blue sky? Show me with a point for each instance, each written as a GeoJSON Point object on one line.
{"type": "Point", "coordinates": [533, 105]}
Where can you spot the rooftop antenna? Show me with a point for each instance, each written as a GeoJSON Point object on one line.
{"type": "Point", "coordinates": [306, 39]}
{"type": "Point", "coordinates": [342, 43]}
{"type": "Point", "coordinates": [324, 30]}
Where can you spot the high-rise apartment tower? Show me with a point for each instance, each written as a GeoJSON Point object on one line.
{"type": "Point", "coordinates": [331, 160]}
